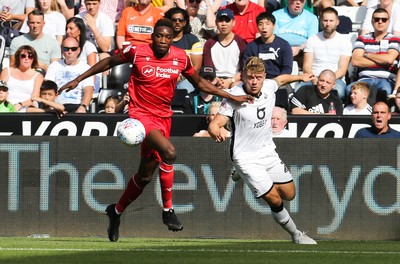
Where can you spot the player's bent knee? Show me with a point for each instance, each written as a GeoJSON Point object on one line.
{"type": "Point", "coordinates": [169, 155]}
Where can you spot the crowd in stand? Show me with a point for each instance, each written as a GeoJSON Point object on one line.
{"type": "Point", "coordinates": [56, 40]}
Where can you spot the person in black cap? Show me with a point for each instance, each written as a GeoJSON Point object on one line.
{"type": "Point", "coordinates": [5, 106]}
{"type": "Point", "coordinates": [198, 102]}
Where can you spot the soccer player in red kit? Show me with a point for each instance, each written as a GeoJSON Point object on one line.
{"type": "Point", "coordinates": [156, 68]}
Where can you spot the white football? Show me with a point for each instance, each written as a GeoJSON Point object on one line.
{"type": "Point", "coordinates": [131, 132]}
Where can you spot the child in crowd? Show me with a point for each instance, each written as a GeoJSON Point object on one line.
{"type": "Point", "coordinates": [359, 95]}
{"type": "Point", "coordinates": [212, 112]}
{"type": "Point", "coordinates": [113, 104]}
{"type": "Point", "coordinates": [110, 104]}
{"type": "Point", "coordinates": [46, 101]}
{"type": "Point", "coordinates": [5, 106]}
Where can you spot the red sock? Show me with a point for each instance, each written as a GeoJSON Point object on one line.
{"type": "Point", "coordinates": [166, 182]}
{"type": "Point", "coordinates": [132, 191]}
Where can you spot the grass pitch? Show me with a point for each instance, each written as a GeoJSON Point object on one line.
{"type": "Point", "coordinates": [188, 251]}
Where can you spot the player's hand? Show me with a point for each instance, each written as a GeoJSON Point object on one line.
{"type": "Point", "coordinates": [221, 137]}
{"type": "Point", "coordinates": [69, 86]}
{"type": "Point", "coordinates": [243, 98]}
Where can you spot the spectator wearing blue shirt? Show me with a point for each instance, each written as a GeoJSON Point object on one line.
{"type": "Point", "coordinates": [295, 25]}
{"type": "Point", "coordinates": [380, 123]}
{"type": "Point", "coordinates": [273, 50]}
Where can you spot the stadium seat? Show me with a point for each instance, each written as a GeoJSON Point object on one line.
{"type": "Point", "coordinates": [355, 13]}
{"type": "Point", "coordinates": [178, 101]}
{"type": "Point", "coordinates": [105, 93]}
{"type": "Point", "coordinates": [282, 99]}
{"type": "Point", "coordinates": [119, 76]}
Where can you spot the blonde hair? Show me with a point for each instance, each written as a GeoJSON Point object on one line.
{"type": "Point", "coordinates": [254, 65]}
{"type": "Point", "coordinates": [363, 86]}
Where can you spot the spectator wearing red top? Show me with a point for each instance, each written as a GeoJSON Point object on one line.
{"type": "Point", "coordinates": [245, 13]}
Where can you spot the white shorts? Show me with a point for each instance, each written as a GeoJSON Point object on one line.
{"type": "Point", "coordinates": [262, 173]}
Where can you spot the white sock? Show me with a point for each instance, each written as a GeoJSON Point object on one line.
{"type": "Point", "coordinates": [283, 219]}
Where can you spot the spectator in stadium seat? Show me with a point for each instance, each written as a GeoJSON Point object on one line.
{"type": "Point", "coordinates": [22, 79]}
{"type": "Point", "coordinates": [76, 28]}
{"type": "Point", "coordinates": [273, 50]}
{"type": "Point", "coordinates": [99, 27]}
{"type": "Point", "coordinates": [295, 25]}
{"type": "Point", "coordinates": [65, 70]}
{"type": "Point", "coordinates": [112, 8]}
{"type": "Point", "coordinates": [359, 100]}
{"type": "Point", "coordinates": [224, 52]}
{"type": "Point", "coordinates": [374, 54]}
{"type": "Point", "coordinates": [245, 13]}
{"type": "Point", "coordinates": [345, 24]}
{"type": "Point", "coordinates": [213, 111]}
{"type": "Point", "coordinates": [328, 49]}
{"type": "Point", "coordinates": [5, 105]}
{"type": "Point", "coordinates": [393, 9]}
{"type": "Point", "coordinates": [279, 122]}
{"type": "Point", "coordinates": [14, 12]}
{"type": "Point", "coordinates": [396, 110]}
{"type": "Point", "coordinates": [54, 21]}
{"type": "Point", "coordinates": [187, 41]}
{"type": "Point", "coordinates": [137, 23]}
{"type": "Point", "coordinates": [198, 22]}
{"type": "Point", "coordinates": [46, 47]}
{"type": "Point", "coordinates": [199, 102]}
{"type": "Point", "coordinates": [46, 101]}
{"type": "Point", "coordinates": [67, 8]}
{"type": "Point", "coordinates": [316, 99]}
{"type": "Point", "coordinates": [380, 124]}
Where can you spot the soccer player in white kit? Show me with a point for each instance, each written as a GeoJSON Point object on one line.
{"type": "Point", "coordinates": [252, 148]}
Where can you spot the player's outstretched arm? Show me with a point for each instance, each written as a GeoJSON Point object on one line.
{"type": "Point", "coordinates": [207, 87]}
{"type": "Point", "coordinates": [103, 65]}
{"type": "Point", "coordinates": [288, 78]}
{"type": "Point", "coordinates": [215, 128]}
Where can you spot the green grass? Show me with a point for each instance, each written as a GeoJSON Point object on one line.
{"type": "Point", "coordinates": [205, 251]}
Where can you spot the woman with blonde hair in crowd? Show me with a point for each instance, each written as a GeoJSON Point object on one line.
{"type": "Point", "coordinates": [22, 79]}
{"type": "Point", "coordinates": [54, 21]}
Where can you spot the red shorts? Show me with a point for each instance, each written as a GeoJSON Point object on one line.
{"type": "Point", "coordinates": [150, 123]}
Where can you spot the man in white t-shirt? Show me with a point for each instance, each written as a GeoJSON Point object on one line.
{"type": "Point", "coordinates": [328, 49]}
{"type": "Point", "coordinates": [253, 150]}
{"type": "Point", "coordinates": [99, 27]}
{"type": "Point", "coordinates": [67, 69]}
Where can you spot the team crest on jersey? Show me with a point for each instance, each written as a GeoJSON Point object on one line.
{"type": "Point", "coordinates": [148, 71]}
{"type": "Point", "coordinates": [175, 62]}
{"type": "Point", "coordinates": [127, 49]}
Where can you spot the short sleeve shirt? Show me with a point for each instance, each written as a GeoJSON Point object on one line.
{"type": "Point", "coordinates": [153, 80]}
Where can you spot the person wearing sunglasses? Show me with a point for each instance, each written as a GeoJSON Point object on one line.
{"type": "Point", "coordinates": [46, 47]}
{"type": "Point", "coordinates": [22, 79]}
{"type": "Point", "coordinates": [393, 9]}
{"type": "Point", "coordinates": [185, 40]}
{"type": "Point", "coordinates": [375, 54]}
{"type": "Point", "coordinates": [67, 69]}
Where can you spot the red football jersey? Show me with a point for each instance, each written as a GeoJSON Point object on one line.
{"type": "Point", "coordinates": [153, 80]}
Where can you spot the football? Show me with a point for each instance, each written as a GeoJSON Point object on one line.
{"type": "Point", "coordinates": [131, 132]}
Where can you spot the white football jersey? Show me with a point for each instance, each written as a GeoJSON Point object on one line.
{"type": "Point", "coordinates": [251, 123]}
